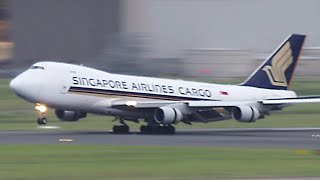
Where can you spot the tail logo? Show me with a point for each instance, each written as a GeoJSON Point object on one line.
{"type": "Point", "coordinates": [280, 63]}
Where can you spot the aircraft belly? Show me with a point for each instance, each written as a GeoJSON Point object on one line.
{"type": "Point", "coordinates": [121, 113]}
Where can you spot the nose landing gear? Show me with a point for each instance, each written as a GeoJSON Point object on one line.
{"type": "Point", "coordinates": [42, 120]}
{"type": "Point", "coordinates": [42, 109]}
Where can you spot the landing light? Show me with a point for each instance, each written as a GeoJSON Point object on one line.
{"type": "Point", "coordinates": [131, 103]}
{"type": "Point", "coordinates": [40, 107]}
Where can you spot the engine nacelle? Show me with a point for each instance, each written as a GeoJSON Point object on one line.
{"type": "Point", "coordinates": [70, 115]}
{"type": "Point", "coordinates": [168, 115]}
{"type": "Point", "coordinates": [245, 113]}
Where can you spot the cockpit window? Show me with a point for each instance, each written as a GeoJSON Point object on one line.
{"type": "Point", "coordinates": [36, 67]}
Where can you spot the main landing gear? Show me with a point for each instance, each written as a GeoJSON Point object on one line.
{"type": "Point", "coordinates": [120, 129]}
{"type": "Point", "coordinates": [145, 129]}
{"type": "Point", "coordinates": [148, 129]}
{"type": "Point", "coordinates": [42, 109]}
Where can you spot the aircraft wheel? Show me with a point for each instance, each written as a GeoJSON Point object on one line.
{"type": "Point", "coordinates": [165, 130]}
{"type": "Point", "coordinates": [120, 129]}
{"type": "Point", "coordinates": [42, 121]}
{"type": "Point", "coordinates": [171, 130]}
{"type": "Point", "coordinates": [146, 129]}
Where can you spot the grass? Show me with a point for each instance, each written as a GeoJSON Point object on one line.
{"type": "Point", "coordinates": [131, 162]}
{"type": "Point", "coordinates": [17, 114]}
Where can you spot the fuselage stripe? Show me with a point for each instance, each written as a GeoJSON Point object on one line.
{"type": "Point", "coordinates": [94, 91]}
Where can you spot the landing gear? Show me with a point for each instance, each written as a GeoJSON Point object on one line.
{"type": "Point", "coordinates": [120, 129]}
{"type": "Point", "coordinates": [42, 109]}
{"type": "Point", "coordinates": [151, 128]}
{"type": "Point", "coordinates": [42, 121]}
{"type": "Point", "coordinates": [157, 129]}
{"type": "Point", "coordinates": [146, 129]}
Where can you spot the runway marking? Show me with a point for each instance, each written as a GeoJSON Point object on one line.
{"type": "Point", "coordinates": [65, 140]}
{"type": "Point", "coordinates": [48, 127]}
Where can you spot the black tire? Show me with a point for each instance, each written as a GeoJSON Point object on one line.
{"type": "Point", "coordinates": [39, 121]}
{"type": "Point", "coordinates": [42, 121]}
{"type": "Point", "coordinates": [120, 129]}
{"type": "Point", "coordinates": [165, 130]}
{"type": "Point", "coordinates": [161, 130]}
{"type": "Point", "coordinates": [171, 130]}
{"type": "Point", "coordinates": [125, 129]}
{"type": "Point", "coordinates": [146, 130]}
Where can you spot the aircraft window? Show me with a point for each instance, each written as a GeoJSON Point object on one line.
{"type": "Point", "coordinates": [37, 67]}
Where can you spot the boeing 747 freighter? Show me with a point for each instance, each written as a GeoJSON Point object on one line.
{"type": "Point", "coordinates": [73, 91]}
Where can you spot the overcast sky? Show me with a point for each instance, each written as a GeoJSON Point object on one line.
{"type": "Point", "coordinates": [247, 24]}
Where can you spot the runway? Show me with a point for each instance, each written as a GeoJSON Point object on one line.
{"type": "Point", "coordinates": [300, 138]}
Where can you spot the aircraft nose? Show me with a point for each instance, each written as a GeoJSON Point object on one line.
{"type": "Point", "coordinates": [15, 85]}
{"type": "Point", "coordinates": [23, 87]}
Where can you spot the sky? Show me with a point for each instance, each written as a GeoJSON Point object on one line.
{"type": "Point", "coordinates": [174, 25]}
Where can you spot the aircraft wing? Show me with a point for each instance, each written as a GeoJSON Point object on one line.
{"type": "Point", "coordinates": [142, 104]}
{"type": "Point", "coordinates": [206, 104]}
{"type": "Point", "coordinates": [192, 104]}
{"type": "Point", "coordinates": [297, 100]}
{"type": "Point", "coordinates": [214, 104]}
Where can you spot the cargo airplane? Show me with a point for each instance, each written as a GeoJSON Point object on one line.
{"type": "Point", "coordinates": [73, 91]}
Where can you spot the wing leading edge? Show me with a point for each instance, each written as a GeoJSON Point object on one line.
{"type": "Point", "coordinates": [192, 104]}
{"type": "Point", "coordinates": [297, 100]}
{"type": "Point", "coordinates": [214, 104]}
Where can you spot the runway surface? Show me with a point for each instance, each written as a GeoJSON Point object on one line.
{"type": "Point", "coordinates": [306, 138]}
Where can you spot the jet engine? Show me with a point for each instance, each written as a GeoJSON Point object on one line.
{"type": "Point", "coordinates": [168, 115]}
{"type": "Point", "coordinates": [245, 113]}
{"type": "Point", "coordinates": [70, 115]}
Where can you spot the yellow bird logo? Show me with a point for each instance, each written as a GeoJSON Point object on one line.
{"type": "Point", "coordinates": [280, 63]}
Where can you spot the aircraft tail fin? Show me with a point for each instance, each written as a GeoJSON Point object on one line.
{"type": "Point", "coordinates": [277, 70]}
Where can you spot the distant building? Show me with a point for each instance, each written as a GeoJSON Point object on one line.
{"type": "Point", "coordinates": [72, 30]}
{"type": "Point", "coordinates": [130, 35]}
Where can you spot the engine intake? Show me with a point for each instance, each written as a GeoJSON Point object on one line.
{"type": "Point", "coordinates": [167, 115]}
{"type": "Point", "coordinates": [70, 115]}
{"type": "Point", "coordinates": [245, 114]}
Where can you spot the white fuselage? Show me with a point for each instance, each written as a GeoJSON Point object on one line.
{"type": "Point", "coordinates": [79, 88]}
